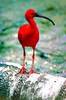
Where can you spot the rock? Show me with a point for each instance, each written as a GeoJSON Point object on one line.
{"type": "Point", "coordinates": [33, 87]}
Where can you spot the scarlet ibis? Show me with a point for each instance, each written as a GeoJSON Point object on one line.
{"type": "Point", "coordinates": [28, 35]}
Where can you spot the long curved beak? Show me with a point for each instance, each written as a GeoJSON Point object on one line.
{"type": "Point", "coordinates": [37, 15]}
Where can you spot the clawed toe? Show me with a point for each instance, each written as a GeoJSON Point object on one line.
{"type": "Point", "coordinates": [32, 71]}
{"type": "Point", "coordinates": [22, 71]}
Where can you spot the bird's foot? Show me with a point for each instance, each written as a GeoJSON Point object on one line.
{"type": "Point", "coordinates": [22, 71]}
{"type": "Point", "coordinates": [32, 71]}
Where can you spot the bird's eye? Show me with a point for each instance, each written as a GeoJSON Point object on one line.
{"type": "Point", "coordinates": [33, 14]}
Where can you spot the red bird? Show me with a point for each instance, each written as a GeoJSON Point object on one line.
{"type": "Point", "coordinates": [28, 35]}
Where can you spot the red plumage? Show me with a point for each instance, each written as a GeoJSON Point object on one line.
{"type": "Point", "coordinates": [28, 35]}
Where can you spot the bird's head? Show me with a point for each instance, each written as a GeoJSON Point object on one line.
{"type": "Point", "coordinates": [30, 13]}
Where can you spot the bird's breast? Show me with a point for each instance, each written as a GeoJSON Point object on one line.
{"type": "Point", "coordinates": [28, 36]}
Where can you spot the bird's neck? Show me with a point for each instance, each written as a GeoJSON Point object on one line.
{"type": "Point", "coordinates": [32, 23]}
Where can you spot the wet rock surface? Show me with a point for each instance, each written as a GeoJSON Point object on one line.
{"type": "Point", "coordinates": [34, 87]}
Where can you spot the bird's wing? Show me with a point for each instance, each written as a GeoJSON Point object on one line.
{"type": "Point", "coordinates": [25, 32]}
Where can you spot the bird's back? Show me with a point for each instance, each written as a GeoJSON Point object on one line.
{"type": "Point", "coordinates": [28, 36]}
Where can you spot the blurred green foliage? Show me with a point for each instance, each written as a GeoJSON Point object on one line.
{"type": "Point", "coordinates": [4, 47]}
{"type": "Point", "coordinates": [58, 70]}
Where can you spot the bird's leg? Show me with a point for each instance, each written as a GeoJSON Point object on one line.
{"type": "Point", "coordinates": [24, 56]}
{"type": "Point", "coordinates": [32, 69]}
{"type": "Point", "coordinates": [23, 69]}
{"type": "Point", "coordinates": [33, 57]}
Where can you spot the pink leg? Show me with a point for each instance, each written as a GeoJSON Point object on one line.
{"type": "Point", "coordinates": [24, 56]}
{"type": "Point", "coordinates": [23, 70]}
{"type": "Point", "coordinates": [32, 69]}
